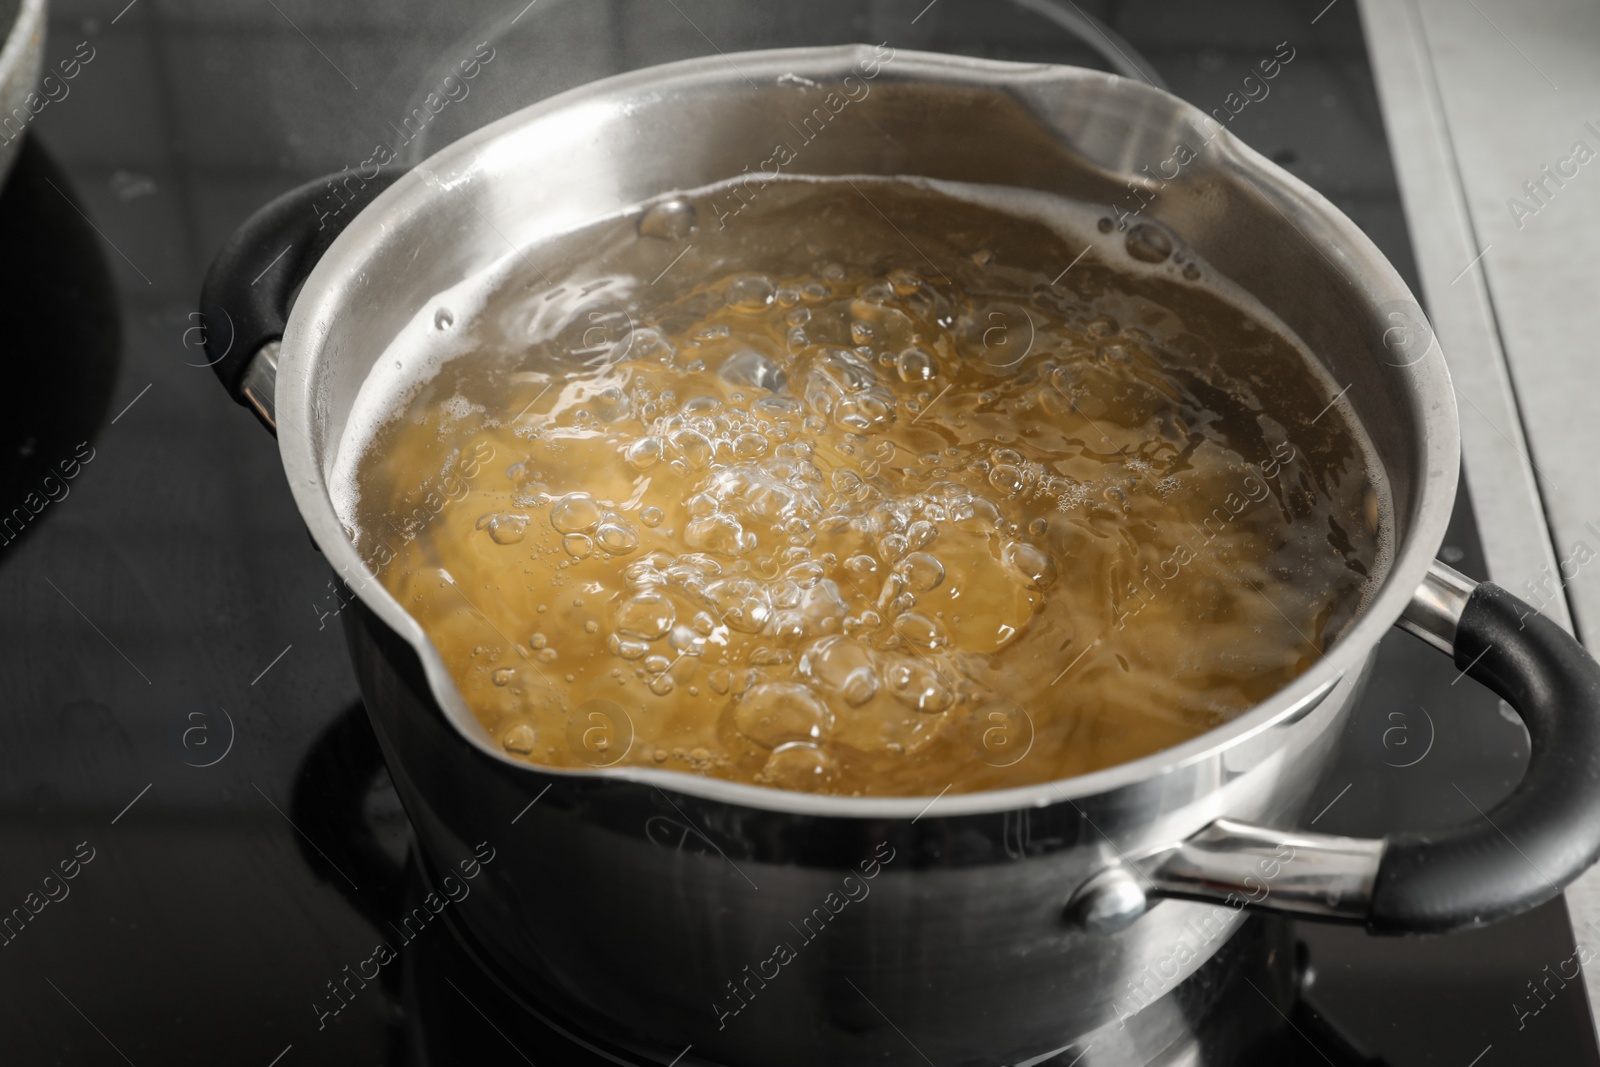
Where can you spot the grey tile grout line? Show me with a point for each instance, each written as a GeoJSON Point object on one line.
{"type": "Point", "coordinates": [302, 833]}
{"type": "Point", "coordinates": [101, 232]}
{"type": "Point", "coordinates": [890, 1021]}
{"type": "Point", "coordinates": [99, 631]}
{"type": "Point", "coordinates": [132, 402]}
{"type": "Point", "coordinates": [532, 802]}
{"type": "Point", "coordinates": [1331, 803]}
{"type": "Point", "coordinates": [313, 44]}
{"type": "Point", "coordinates": [131, 803]}
{"type": "Point", "coordinates": [273, 664]}
{"type": "Point", "coordinates": [490, 1021]}
{"type": "Point", "coordinates": [90, 1021]}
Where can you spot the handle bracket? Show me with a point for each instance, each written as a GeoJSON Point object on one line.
{"type": "Point", "coordinates": [1512, 859]}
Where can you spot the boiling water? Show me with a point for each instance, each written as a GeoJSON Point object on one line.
{"type": "Point", "coordinates": [876, 488]}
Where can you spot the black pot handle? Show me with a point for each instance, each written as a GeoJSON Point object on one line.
{"type": "Point", "coordinates": [1512, 858]}
{"type": "Point", "coordinates": [245, 300]}
{"type": "Point", "coordinates": [1547, 832]}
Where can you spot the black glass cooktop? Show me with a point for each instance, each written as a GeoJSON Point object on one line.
{"type": "Point", "coordinates": [181, 730]}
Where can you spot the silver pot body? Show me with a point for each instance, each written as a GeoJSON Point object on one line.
{"type": "Point", "coordinates": [655, 908]}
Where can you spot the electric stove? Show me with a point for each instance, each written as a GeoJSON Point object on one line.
{"type": "Point", "coordinates": [182, 730]}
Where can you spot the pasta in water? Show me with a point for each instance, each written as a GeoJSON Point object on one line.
{"type": "Point", "coordinates": [879, 488]}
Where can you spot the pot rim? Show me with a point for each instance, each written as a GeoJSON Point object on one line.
{"type": "Point", "coordinates": [1427, 379]}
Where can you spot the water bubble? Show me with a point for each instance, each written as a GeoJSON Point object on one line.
{"type": "Point", "coordinates": [647, 615]}
{"type": "Point", "coordinates": [609, 404]}
{"type": "Point", "coordinates": [684, 640]}
{"type": "Point", "coordinates": [892, 546]}
{"type": "Point", "coordinates": [774, 713]}
{"type": "Point", "coordinates": [519, 739]}
{"type": "Point", "coordinates": [777, 407]}
{"type": "Point", "coordinates": [616, 536]}
{"type": "Point", "coordinates": [645, 344]}
{"type": "Point", "coordinates": [749, 367]}
{"type": "Point", "coordinates": [842, 667]}
{"type": "Point", "coordinates": [921, 572]}
{"type": "Point", "coordinates": [538, 641]}
{"type": "Point", "coordinates": [651, 517]}
{"type": "Point", "coordinates": [644, 453]}
{"type": "Point", "coordinates": [546, 655]}
{"type": "Point", "coordinates": [505, 528]}
{"type": "Point", "coordinates": [845, 481]}
{"type": "Point", "coordinates": [822, 607]}
{"type": "Point", "coordinates": [797, 765]}
{"type": "Point", "coordinates": [749, 446]}
{"type": "Point", "coordinates": [627, 647]}
{"type": "Point", "coordinates": [975, 514]}
{"type": "Point", "coordinates": [671, 220]}
{"type": "Point", "coordinates": [919, 686]}
{"type": "Point", "coordinates": [694, 447]}
{"type": "Point", "coordinates": [578, 546]}
{"type": "Point", "coordinates": [919, 631]}
{"type": "Point", "coordinates": [751, 293]}
{"type": "Point", "coordinates": [868, 411]}
{"type": "Point", "coordinates": [722, 534]}
{"type": "Point", "coordinates": [1148, 243]}
{"type": "Point", "coordinates": [443, 319]}
{"type": "Point", "coordinates": [504, 676]}
{"type": "Point", "coordinates": [1006, 478]}
{"type": "Point", "coordinates": [1030, 563]}
{"type": "Point", "coordinates": [741, 604]}
{"type": "Point", "coordinates": [574, 513]}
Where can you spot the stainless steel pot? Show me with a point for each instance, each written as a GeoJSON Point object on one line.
{"type": "Point", "coordinates": [775, 928]}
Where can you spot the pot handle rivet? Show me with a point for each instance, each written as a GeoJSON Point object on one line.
{"type": "Point", "coordinates": [1108, 902]}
